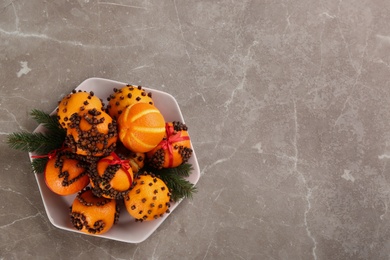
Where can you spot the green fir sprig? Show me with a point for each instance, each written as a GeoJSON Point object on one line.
{"type": "Point", "coordinates": [50, 122]}
{"type": "Point", "coordinates": [174, 178]}
{"type": "Point", "coordinates": [39, 164]}
{"type": "Point", "coordinates": [40, 143]}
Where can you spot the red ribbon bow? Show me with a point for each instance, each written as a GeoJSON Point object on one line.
{"type": "Point", "coordinates": [117, 160]}
{"type": "Point", "coordinates": [50, 155]}
{"type": "Point", "coordinates": [171, 138]}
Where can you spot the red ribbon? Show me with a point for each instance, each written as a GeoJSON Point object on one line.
{"type": "Point", "coordinates": [50, 155]}
{"type": "Point", "coordinates": [124, 164]}
{"type": "Point", "coordinates": [171, 138]}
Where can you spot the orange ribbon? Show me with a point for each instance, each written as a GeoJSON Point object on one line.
{"type": "Point", "coordinates": [123, 163]}
{"type": "Point", "coordinates": [171, 138]}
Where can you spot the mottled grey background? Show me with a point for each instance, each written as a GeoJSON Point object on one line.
{"type": "Point", "coordinates": [287, 102]}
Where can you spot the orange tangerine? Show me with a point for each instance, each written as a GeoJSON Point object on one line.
{"type": "Point", "coordinates": [149, 198]}
{"type": "Point", "coordinates": [137, 161]}
{"type": "Point", "coordinates": [141, 127]}
{"type": "Point", "coordinates": [111, 177]}
{"type": "Point", "coordinates": [74, 103]}
{"type": "Point", "coordinates": [174, 149]}
{"type": "Point", "coordinates": [126, 97]}
{"type": "Point", "coordinates": [65, 176]}
{"type": "Point", "coordinates": [92, 133]}
{"type": "Point", "coordinates": [93, 215]}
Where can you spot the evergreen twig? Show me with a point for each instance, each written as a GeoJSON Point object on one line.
{"type": "Point", "coordinates": [39, 142]}
{"type": "Point", "coordinates": [180, 187]}
{"type": "Point", "coordinates": [39, 164]}
{"type": "Point", "coordinates": [50, 122]}
{"type": "Point", "coordinates": [183, 170]}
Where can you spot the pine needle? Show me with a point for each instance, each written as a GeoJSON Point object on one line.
{"type": "Point", "coordinates": [50, 122]}
{"type": "Point", "coordinates": [39, 142]}
{"type": "Point", "coordinates": [183, 170]}
{"type": "Point", "coordinates": [39, 164]}
{"type": "Point", "coordinates": [33, 142]}
{"type": "Point", "coordinates": [180, 187]}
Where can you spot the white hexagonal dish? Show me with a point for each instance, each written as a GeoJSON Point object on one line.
{"type": "Point", "coordinates": [126, 230]}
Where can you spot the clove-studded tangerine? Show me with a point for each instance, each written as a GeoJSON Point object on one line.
{"type": "Point", "coordinates": [111, 177]}
{"type": "Point", "coordinates": [65, 175]}
{"type": "Point", "coordinates": [174, 149]}
{"type": "Point", "coordinates": [76, 102]}
{"type": "Point", "coordinates": [93, 215]}
{"type": "Point", "coordinates": [136, 161]}
{"type": "Point", "coordinates": [148, 199]}
{"type": "Point", "coordinates": [126, 97]}
{"type": "Point", "coordinates": [92, 133]}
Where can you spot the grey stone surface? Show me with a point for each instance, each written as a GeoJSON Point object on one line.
{"type": "Point", "coordinates": [287, 102]}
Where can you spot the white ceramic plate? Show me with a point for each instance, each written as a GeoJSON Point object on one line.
{"type": "Point", "coordinates": [126, 230]}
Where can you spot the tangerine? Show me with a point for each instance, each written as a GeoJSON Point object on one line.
{"type": "Point", "coordinates": [141, 127]}
{"type": "Point", "coordinates": [92, 133]}
{"type": "Point", "coordinates": [126, 97]}
{"type": "Point", "coordinates": [65, 176]}
{"type": "Point", "coordinates": [149, 198]}
{"type": "Point", "coordinates": [93, 215]}
{"type": "Point", "coordinates": [137, 161]}
{"type": "Point", "coordinates": [111, 177]}
{"type": "Point", "coordinates": [174, 149]}
{"type": "Point", "coordinates": [76, 102]}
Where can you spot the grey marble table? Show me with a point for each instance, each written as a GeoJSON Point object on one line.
{"type": "Point", "coordinates": [287, 102]}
